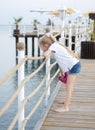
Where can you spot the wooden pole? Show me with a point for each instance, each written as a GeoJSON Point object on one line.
{"type": "Point", "coordinates": [21, 55]}
{"type": "Point", "coordinates": [33, 46]}
{"type": "Point", "coordinates": [16, 40]}
{"type": "Point", "coordinates": [26, 46]}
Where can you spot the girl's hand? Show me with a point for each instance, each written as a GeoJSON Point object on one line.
{"type": "Point", "coordinates": [61, 73]}
{"type": "Point", "coordinates": [47, 53]}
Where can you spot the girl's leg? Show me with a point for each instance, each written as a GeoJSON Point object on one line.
{"type": "Point", "coordinates": [69, 88]}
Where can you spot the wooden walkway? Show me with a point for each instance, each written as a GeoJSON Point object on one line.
{"type": "Point", "coordinates": [82, 109]}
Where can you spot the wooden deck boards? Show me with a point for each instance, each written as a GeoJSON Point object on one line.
{"type": "Point", "coordinates": [82, 109]}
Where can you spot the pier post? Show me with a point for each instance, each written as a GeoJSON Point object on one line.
{"type": "Point", "coordinates": [33, 40]}
{"type": "Point", "coordinates": [47, 81]}
{"type": "Point", "coordinates": [16, 41]}
{"type": "Point", "coordinates": [26, 46]}
{"type": "Point", "coordinates": [21, 54]}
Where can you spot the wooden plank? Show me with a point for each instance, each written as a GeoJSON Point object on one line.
{"type": "Point", "coordinates": [71, 116]}
{"type": "Point", "coordinates": [71, 120]}
{"type": "Point", "coordinates": [70, 124]}
{"type": "Point", "coordinates": [63, 128]}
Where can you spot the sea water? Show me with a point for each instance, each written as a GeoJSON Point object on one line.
{"type": "Point", "coordinates": [7, 63]}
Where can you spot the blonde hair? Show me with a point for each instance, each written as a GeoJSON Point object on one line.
{"type": "Point", "coordinates": [46, 40]}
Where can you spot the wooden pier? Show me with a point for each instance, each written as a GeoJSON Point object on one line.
{"type": "Point", "coordinates": [82, 109]}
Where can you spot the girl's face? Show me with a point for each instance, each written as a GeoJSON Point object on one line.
{"type": "Point", "coordinates": [45, 47]}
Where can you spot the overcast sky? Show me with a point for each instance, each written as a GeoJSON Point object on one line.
{"type": "Point", "coordinates": [17, 8]}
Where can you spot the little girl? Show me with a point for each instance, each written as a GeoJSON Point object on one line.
{"type": "Point", "coordinates": [67, 61]}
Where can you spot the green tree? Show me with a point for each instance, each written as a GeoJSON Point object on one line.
{"type": "Point", "coordinates": [17, 21]}
{"type": "Point", "coordinates": [35, 22]}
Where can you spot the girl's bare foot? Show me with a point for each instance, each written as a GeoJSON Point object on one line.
{"type": "Point", "coordinates": [61, 110]}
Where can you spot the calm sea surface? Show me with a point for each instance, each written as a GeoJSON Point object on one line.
{"type": "Point", "coordinates": [8, 62]}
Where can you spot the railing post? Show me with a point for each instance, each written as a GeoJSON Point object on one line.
{"type": "Point", "coordinates": [62, 39]}
{"type": "Point", "coordinates": [36, 47]}
{"type": "Point", "coordinates": [70, 35]}
{"type": "Point", "coordinates": [47, 81]}
{"type": "Point", "coordinates": [21, 55]}
{"type": "Point", "coordinates": [62, 14]}
{"type": "Point", "coordinates": [76, 39]}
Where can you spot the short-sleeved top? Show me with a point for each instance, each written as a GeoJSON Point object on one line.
{"type": "Point", "coordinates": [64, 59]}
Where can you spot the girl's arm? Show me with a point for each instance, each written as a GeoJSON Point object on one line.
{"type": "Point", "coordinates": [47, 53]}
